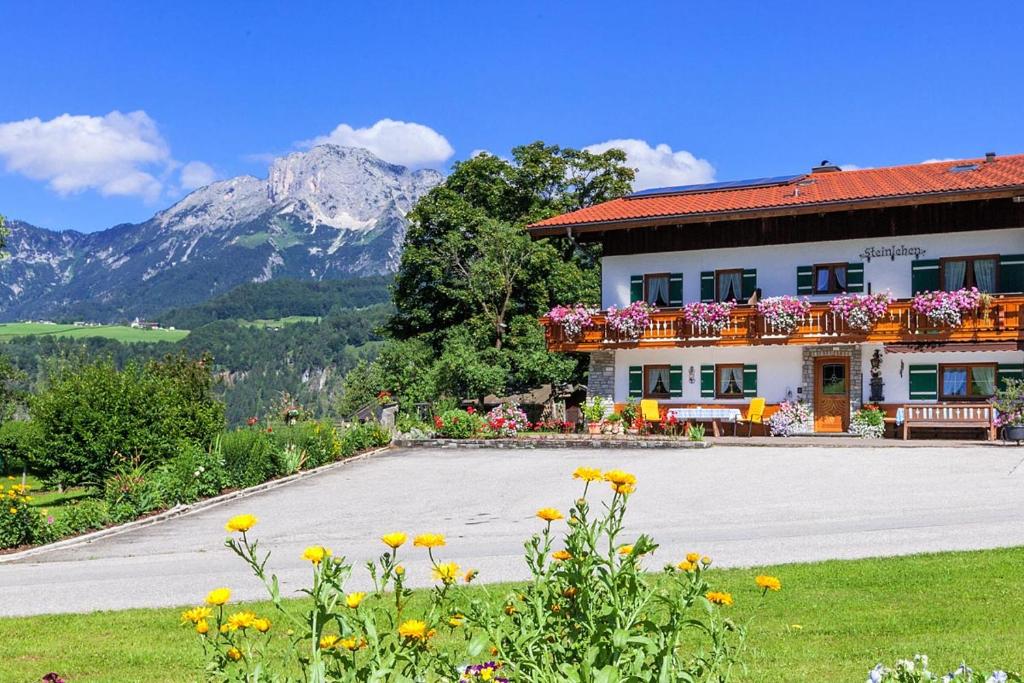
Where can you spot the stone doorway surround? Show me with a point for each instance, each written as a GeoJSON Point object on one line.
{"type": "Point", "coordinates": [853, 352]}
{"type": "Point", "coordinates": [601, 376]}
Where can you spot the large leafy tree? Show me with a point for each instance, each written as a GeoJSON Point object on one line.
{"type": "Point", "coordinates": [472, 282]}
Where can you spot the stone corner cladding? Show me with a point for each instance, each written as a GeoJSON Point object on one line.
{"type": "Point", "coordinates": [853, 352]}
{"type": "Point", "coordinates": [601, 377]}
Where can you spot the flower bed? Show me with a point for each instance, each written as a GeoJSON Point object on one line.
{"type": "Point", "coordinates": [861, 311]}
{"type": "Point", "coordinates": [792, 417]}
{"type": "Point", "coordinates": [946, 308]}
{"type": "Point", "coordinates": [782, 314]}
{"type": "Point", "coordinates": [630, 321]}
{"type": "Point", "coordinates": [709, 317]}
{"type": "Point", "coordinates": [868, 422]}
{"type": "Point", "coordinates": [916, 671]}
{"type": "Point", "coordinates": [506, 420]}
{"type": "Point", "coordinates": [573, 319]}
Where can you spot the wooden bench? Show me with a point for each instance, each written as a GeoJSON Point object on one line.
{"type": "Point", "coordinates": [950, 416]}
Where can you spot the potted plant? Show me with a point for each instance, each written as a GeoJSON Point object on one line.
{"type": "Point", "coordinates": [861, 311]}
{"type": "Point", "coordinates": [593, 411]}
{"type": "Point", "coordinates": [629, 413]}
{"type": "Point", "coordinates": [868, 422]}
{"type": "Point", "coordinates": [709, 319]}
{"type": "Point", "coordinates": [946, 309]}
{"type": "Point", "coordinates": [792, 417]}
{"type": "Point", "coordinates": [613, 423]}
{"type": "Point", "coordinates": [1009, 401]}
{"type": "Point", "coordinates": [630, 321]}
{"type": "Point", "coordinates": [782, 314]}
{"type": "Point", "coordinates": [985, 305]}
{"type": "Point", "coordinates": [573, 319]}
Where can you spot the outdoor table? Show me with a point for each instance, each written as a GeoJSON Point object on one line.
{"type": "Point", "coordinates": [712, 415]}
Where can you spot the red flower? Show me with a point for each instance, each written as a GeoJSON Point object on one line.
{"type": "Point", "coordinates": [471, 410]}
{"type": "Point", "coordinates": [269, 430]}
{"type": "Point", "coordinates": [439, 423]}
{"type": "Point", "coordinates": [251, 421]}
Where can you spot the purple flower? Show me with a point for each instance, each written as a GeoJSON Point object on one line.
{"type": "Point", "coordinates": [947, 308]}
{"type": "Point", "coordinates": [861, 311]}
{"type": "Point", "coordinates": [708, 318]}
{"type": "Point", "coordinates": [782, 314]}
{"type": "Point", "coordinates": [631, 320]}
{"type": "Point", "coordinates": [573, 319]}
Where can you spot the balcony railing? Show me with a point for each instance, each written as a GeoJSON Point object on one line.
{"type": "Point", "coordinates": [1002, 321]}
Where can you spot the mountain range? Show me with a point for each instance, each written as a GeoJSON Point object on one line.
{"type": "Point", "coordinates": [327, 213]}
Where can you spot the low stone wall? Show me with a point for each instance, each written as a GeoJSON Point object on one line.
{"type": "Point", "coordinates": [551, 442]}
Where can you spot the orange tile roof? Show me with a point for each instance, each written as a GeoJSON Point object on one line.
{"type": "Point", "coordinates": [916, 180]}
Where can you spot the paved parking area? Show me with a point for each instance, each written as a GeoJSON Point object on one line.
{"type": "Point", "coordinates": [743, 506]}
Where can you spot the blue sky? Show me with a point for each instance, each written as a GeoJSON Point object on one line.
{"type": "Point", "coordinates": [747, 89]}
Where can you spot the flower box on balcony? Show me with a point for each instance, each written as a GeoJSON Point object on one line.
{"type": "Point", "coordinates": [947, 309]}
{"type": "Point", "coordinates": [708, 319]}
{"type": "Point", "coordinates": [630, 321]}
{"type": "Point", "coordinates": [782, 314]}
{"type": "Point", "coordinates": [573, 319]}
{"type": "Point", "coordinates": [860, 312]}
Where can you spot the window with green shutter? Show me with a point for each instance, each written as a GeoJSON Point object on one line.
{"type": "Point", "coordinates": [675, 381]}
{"type": "Point", "coordinates": [750, 381]}
{"type": "Point", "coordinates": [1011, 273]}
{"type": "Point", "coordinates": [805, 279]}
{"type": "Point", "coordinates": [636, 381]}
{"type": "Point", "coordinates": [854, 277]}
{"type": "Point", "coordinates": [749, 282]}
{"type": "Point", "coordinates": [924, 382]}
{"type": "Point", "coordinates": [636, 288]}
{"type": "Point", "coordinates": [1010, 371]}
{"type": "Point", "coordinates": [707, 286]}
{"type": "Point", "coordinates": [924, 276]}
{"type": "Point", "coordinates": [675, 289]}
{"type": "Point", "coordinates": [707, 381]}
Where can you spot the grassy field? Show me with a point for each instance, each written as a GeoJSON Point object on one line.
{"type": "Point", "coordinates": [279, 322]}
{"type": "Point", "coordinates": [121, 333]}
{"type": "Point", "coordinates": [831, 622]}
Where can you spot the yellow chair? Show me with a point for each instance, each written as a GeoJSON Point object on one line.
{"type": "Point", "coordinates": [755, 414]}
{"type": "Point", "coordinates": [650, 411]}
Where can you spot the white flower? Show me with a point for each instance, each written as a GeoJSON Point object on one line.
{"type": "Point", "coordinates": [997, 677]}
{"type": "Point", "coordinates": [877, 674]}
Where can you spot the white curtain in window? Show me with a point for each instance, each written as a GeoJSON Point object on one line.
{"type": "Point", "coordinates": [985, 274]}
{"type": "Point", "coordinates": [983, 381]}
{"type": "Point", "coordinates": [657, 381]}
{"type": "Point", "coordinates": [840, 272]}
{"type": "Point", "coordinates": [657, 291]}
{"type": "Point", "coordinates": [954, 381]}
{"type": "Point", "coordinates": [732, 381]}
{"type": "Point", "coordinates": [822, 284]}
{"type": "Point", "coordinates": [729, 286]}
{"type": "Point", "coordinates": [954, 274]}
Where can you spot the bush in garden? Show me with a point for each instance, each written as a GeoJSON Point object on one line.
{"type": "Point", "coordinates": [131, 491]}
{"type": "Point", "coordinates": [361, 437]}
{"type": "Point", "coordinates": [792, 417]}
{"type": "Point", "coordinates": [311, 443]}
{"type": "Point", "coordinates": [459, 424]}
{"type": "Point", "coordinates": [251, 456]}
{"type": "Point", "coordinates": [80, 517]}
{"type": "Point", "coordinates": [20, 523]}
{"type": "Point", "coordinates": [506, 420]}
{"type": "Point", "coordinates": [916, 671]}
{"type": "Point", "coordinates": [194, 473]}
{"type": "Point", "coordinates": [1009, 401]}
{"type": "Point", "coordinates": [18, 439]}
{"type": "Point", "coordinates": [590, 612]}
{"type": "Point", "coordinates": [868, 422]}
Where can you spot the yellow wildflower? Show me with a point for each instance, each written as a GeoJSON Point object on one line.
{"type": "Point", "coordinates": [470, 575]}
{"type": "Point", "coordinates": [413, 629]}
{"type": "Point", "coordinates": [399, 570]}
{"type": "Point", "coordinates": [622, 482]}
{"type": "Point", "coordinates": [14, 511]}
{"type": "Point", "coordinates": [692, 557]}
{"type": "Point", "coordinates": [241, 620]}
{"type": "Point", "coordinates": [446, 572]}
{"type": "Point", "coordinates": [195, 615]}
{"type": "Point", "coordinates": [202, 627]}
{"type": "Point", "coordinates": [261, 624]}
{"type": "Point", "coordinates": [394, 540]}
{"type": "Point", "coordinates": [719, 598]}
{"type": "Point", "coordinates": [768, 583]}
{"type": "Point", "coordinates": [234, 654]}
{"type": "Point", "coordinates": [625, 549]}
{"type": "Point", "coordinates": [429, 540]}
{"type": "Point", "coordinates": [561, 555]}
{"type": "Point", "coordinates": [240, 523]}
{"type": "Point", "coordinates": [351, 644]}
{"type": "Point", "coordinates": [224, 628]}
{"type": "Point", "coordinates": [218, 596]}
{"type": "Point", "coordinates": [329, 641]}
{"type": "Point", "coordinates": [353, 599]}
{"type": "Point", "coordinates": [686, 566]}
{"type": "Point", "coordinates": [550, 514]}
{"type": "Point", "coordinates": [587, 474]}
{"type": "Point", "coordinates": [706, 561]}
{"type": "Point", "coordinates": [456, 620]}
{"type": "Point", "coordinates": [316, 553]}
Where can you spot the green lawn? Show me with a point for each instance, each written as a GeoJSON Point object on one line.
{"type": "Point", "coordinates": [279, 322]}
{"type": "Point", "coordinates": [831, 622]}
{"type": "Point", "coordinates": [122, 333]}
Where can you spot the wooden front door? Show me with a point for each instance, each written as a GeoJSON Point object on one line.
{"type": "Point", "coordinates": [831, 394]}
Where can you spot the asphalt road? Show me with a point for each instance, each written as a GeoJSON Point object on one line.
{"type": "Point", "coordinates": [743, 506]}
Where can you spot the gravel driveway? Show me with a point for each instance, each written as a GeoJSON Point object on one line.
{"type": "Point", "coordinates": [743, 506]}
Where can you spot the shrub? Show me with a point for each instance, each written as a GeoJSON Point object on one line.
{"type": "Point", "coordinates": [251, 457]}
{"type": "Point", "coordinates": [309, 444]}
{"type": "Point", "coordinates": [506, 420]}
{"type": "Point", "coordinates": [594, 409]}
{"type": "Point", "coordinates": [85, 515]}
{"type": "Point", "coordinates": [868, 423]}
{"type": "Point", "coordinates": [792, 417]}
{"type": "Point", "coordinates": [20, 523]}
{"type": "Point", "coordinates": [405, 423]}
{"type": "Point", "coordinates": [459, 424]}
{"type": "Point", "coordinates": [1009, 401]}
{"type": "Point", "coordinates": [360, 437]}
{"type": "Point", "coordinates": [192, 474]}
{"type": "Point", "coordinates": [132, 491]}
{"type": "Point", "coordinates": [18, 440]}
{"type": "Point", "coordinates": [589, 612]}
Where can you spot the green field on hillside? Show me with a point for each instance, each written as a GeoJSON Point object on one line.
{"type": "Point", "coordinates": [280, 322]}
{"type": "Point", "coordinates": [832, 621]}
{"type": "Point", "coordinates": [122, 333]}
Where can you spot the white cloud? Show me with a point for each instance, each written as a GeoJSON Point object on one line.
{"type": "Point", "coordinates": [852, 167]}
{"type": "Point", "coordinates": [400, 142]}
{"type": "Point", "coordinates": [196, 174]}
{"type": "Point", "coordinates": [938, 161]}
{"type": "Point", "coordinates": [116, 154]}
{"type": "Point", "coordinates": [659, 166]}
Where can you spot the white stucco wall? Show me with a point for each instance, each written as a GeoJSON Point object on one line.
{"type": "Point", "coordinates": [776, 265]}
{"type": "Point", "coordinates": [897, 388]}
{"type": "Point", "coordinates": [778, 369]}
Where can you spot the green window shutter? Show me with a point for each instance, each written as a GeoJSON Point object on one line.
{"type": "Point", "coordinates": [924, 382]}
{"type": "Point", "coordinates": [675, 381]}
{"type": "Point", "coordinates": [750, 381]}
{"type": "Point", "coordinates": [924, 275]}
{"type": "Point", "coordinates": [805, 279]}
{"type": "Point", "coordinates": [1009, 371]}
{"type": "Point", "coordinates": [854, 277]}
{"type": "Point", "coordinates": [636, 288]}
{"type": "Point", "coordinates": [707, 286]}
{"type": "Point", "coordinates": [749, 282]}
{"type": "Point", "coordinates": [675, 289]}
{"type": "Point", "coordinates": [707, 381]}
{"type": "Point", "coordinates": [1011, 273]}
{"type": "Point", "coordinates": [636, 381]}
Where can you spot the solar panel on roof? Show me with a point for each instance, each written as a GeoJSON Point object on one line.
{"type": "Point", "coordinates": [717, 187]}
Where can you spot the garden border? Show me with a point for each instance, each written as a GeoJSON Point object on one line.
{"type": "Point", "coordinates": [183, 510]}
{"type": "Point", "coordinates": [554, 442]}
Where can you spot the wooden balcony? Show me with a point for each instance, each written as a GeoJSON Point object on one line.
{"type": "Point", "coordinates": [1003, 321]}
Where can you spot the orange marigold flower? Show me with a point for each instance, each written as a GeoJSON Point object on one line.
{"type": "Point", "coordinates": [719, 598]}
{"type": "Point", "coordinates": [429, 540]}
{"type": "Point", "coordinates": [692, 557]}
{"type": "Point", "coordinates": [768, 583]}
{"type": "Point", "coordinates": [218, 596]}
{"type": "Point", "coordinates": [625, 549]}
{"type": "Point", "coordinates": [234, 654]}
{"type": "Point", "coordinates": [561, 555]}
{"type": "Point", "coordinates": [394, 540]}
{"type": "Point", "coordinates": [240, 523]}
{"type": "Point", "coordinates": [352, 600]}
{"type": "Point", "coordinates": [316, 553]}
{"type": "Point", "coordinates": [587, 474]}
{"type": "Point", "coordinates": [686, 566]}
{"type": "Point", "coordinates": [471, 575]}
{"type": "Point", "coordinates": [413, 629]}
{"type": "Point", "coordinates": [550, 514]}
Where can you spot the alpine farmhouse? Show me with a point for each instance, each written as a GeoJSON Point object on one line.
{"type": "Point", "coordinates": [905, 230]}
